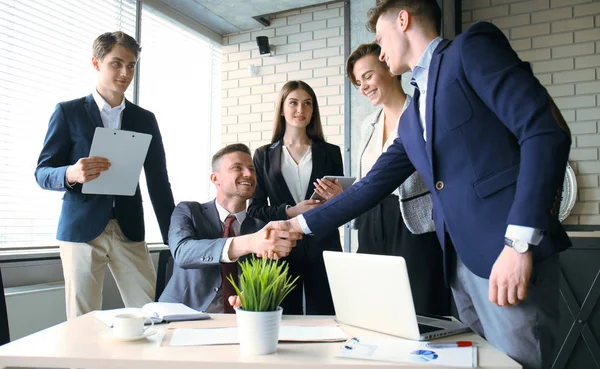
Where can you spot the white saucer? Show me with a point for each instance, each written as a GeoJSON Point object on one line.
{"type": "Point", "coordinates": [109, 334]}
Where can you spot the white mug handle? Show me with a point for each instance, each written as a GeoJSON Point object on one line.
{"type": "Point", "coordinates": [151, 323]}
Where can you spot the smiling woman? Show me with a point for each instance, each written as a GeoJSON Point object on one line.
{"type": "Point", "coordinates": [288, 170]}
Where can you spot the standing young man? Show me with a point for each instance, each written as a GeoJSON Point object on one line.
{"type": "Point", "coordinates": [492, 148]}
{"type": "Point", "coordinates": [99, 230]}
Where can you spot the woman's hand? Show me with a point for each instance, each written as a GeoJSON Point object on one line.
{"type": "Point", "coordinates": [302, 207]}
{"type": "Point", "coordinates": [328, 189]}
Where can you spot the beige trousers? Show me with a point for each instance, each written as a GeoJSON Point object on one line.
{"type": "Point", "coordinates": [84, 265]}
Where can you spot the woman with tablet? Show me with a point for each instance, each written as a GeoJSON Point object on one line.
{"type": "Point", "coordinates": [401, 224]}
{"type": "Point", "coordinates": [287, 172]}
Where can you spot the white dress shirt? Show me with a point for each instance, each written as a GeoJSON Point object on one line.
{"type": "Point", "coordinates": [296, 175]}
{"type": "Point", "coordinates": [236, 225]}
{"type": "Point", "coordinates": [111, 117]}
{"type": "Point", "coordinates": [420, 74]}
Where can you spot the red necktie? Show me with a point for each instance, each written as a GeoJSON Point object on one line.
{"type": "Point", "coordinates": [228, 269]}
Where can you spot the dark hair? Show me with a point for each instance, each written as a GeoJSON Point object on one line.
{"type": "Point", "coordinates": [428, 12]}
{"type": "Point", "coordinates": [236, 147]}
{"type": "Point", "coordinates": [314, 129]}
{"type": "Point", "coordinates": [361, 51]}
{"type": "Point", "coordinates": [105, 42]}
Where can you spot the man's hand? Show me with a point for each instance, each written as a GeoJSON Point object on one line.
{"type": "Point", "coordinates": [328, 189]}
{"type": "Point", "coordinates": [302, 207]}
{"type": "Point", "coordinates": [510, 277]}
{"type": "Point", "coordinates": [234, 301]}
{"type": "Point", "coordinates": [274, 241]}
{"type": "Point", "coordinates": [86, 169]}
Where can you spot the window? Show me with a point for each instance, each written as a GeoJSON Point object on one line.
{"type": "Point", "coordinates": [180, 82]}
{"type": "Point", "coordinates": [45, 58]}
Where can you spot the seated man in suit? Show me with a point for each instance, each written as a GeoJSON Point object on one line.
{"type": "Point", "coordinates": [207, 239]}
{"type": "Point", "coordinates": [99, 230]}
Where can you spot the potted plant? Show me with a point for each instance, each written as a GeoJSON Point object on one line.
{"type": "Point", "coordinates": [265, 283]}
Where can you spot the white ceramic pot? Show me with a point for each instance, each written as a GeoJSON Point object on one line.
{"type": "Point", "coordinates": [258, 331]}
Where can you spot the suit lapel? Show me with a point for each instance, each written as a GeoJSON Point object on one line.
{"type": "Point", "coordinates": [126, 121]}
{"type": "Point", "coordinates": [411, 134]}
{"type": "Point", "coordinates": [212, 217]}
{"type": "Point", "coordinates": [274, 154]}
{"type": "Point", "coordinates": [319, 158]}
{"type": "Point", "coordinates": [434, 70]}
{"type": "Point", "coordinates": [93, 111]}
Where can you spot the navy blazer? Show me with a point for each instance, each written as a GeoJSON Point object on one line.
{"type": "Point", "coordinates": [83, 216]}
{"type": "Point", "coordinates": [196, 245]}
{"type": "Point", "coordinates": [495, 155]}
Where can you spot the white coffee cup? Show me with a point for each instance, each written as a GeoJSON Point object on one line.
{"type": "Point", "coordinates": [130, 325]}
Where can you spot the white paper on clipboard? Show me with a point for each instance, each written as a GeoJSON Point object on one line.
{"type": "Point", "coordinates": [126, 151]}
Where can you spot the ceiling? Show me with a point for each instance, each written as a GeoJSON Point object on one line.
{"type": "Point", "coordinates": [230, 16]}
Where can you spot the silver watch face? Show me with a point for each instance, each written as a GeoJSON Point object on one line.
{"type": "Point", "coordinates": [520, 246]}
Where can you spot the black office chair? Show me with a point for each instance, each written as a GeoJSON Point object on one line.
{"type": "Point", "coordinates": [4, 333]}
{"type": "Point", "coordinates": [163, 271]}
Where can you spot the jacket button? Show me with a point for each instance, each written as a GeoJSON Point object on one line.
{"type": "Point", "coordinates": [216, 289]}
{"type": "Point", "coordinates": [439, 185]}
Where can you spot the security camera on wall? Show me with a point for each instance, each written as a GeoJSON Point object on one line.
{"type": "Point", "coordinates": [263, 46]}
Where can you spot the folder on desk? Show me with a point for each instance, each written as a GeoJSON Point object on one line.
{"type": "Point", "coordinates": [406, 351]}
{"type": "Point", "coordinates": [126, 151]}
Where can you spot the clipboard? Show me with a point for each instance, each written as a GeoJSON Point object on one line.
{"type": "Point", "coordinates": [126, 151]}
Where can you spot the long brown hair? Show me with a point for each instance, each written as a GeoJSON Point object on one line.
{"type": "Point", "coordinates": [314, 129]}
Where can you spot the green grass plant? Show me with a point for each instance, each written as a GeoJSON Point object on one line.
{"type": "Point", "coordinates": [265, 283]}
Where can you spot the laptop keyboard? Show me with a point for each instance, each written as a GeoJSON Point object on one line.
{"type": "Point", "coordinates": [424, 328]}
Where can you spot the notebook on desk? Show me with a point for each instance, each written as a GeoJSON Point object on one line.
{"type": "Point", "coordinates": [379, 286]}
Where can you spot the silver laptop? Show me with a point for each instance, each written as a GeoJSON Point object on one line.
{"type": "Point", "coordinates": [373, 292]}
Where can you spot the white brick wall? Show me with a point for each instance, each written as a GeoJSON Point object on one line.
{"type": "Point", "coordinates": [309, 45]}
{"type": "Point", "coordinates": [561, 39]}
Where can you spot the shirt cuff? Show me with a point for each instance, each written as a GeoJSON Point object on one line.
{"type": "Point", "coordinates": [225, 252]}
{"type": "Point", "coordinates": [530, 235]}
{"type": "Point", "coordinates": [67, 184]}
{"type": "Point", "coordinates": [303, 224]}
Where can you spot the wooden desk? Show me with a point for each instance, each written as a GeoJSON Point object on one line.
{"type": "Point", "coordinates": [77, 344]}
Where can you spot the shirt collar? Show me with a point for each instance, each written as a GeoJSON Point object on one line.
{"type": "Point", "coordinates": [103, 105]}
{"type": "Point", "coordinates": [420, 71]}
{"type": "Point", "coordinates": [223, 213]}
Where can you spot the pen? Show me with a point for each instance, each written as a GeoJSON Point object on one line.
{"type": "Point", "coordinates": [450, 344]}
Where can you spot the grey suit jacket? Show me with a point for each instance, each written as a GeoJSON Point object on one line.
{"type": "Point", "coordinates": [196, 243]}
{"type": "Point", "coordinates": [414, 197]}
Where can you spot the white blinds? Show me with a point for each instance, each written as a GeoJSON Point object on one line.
{"type": "Point", "coordinates": [180, 74]}
{"type": "Point", "coordinates": [45, 58]}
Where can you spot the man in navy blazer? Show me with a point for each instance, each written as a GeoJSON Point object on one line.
{"type": "Point", "coordinates": [491, 146]}
{"type": "Point", "coordinates": [99, 230]}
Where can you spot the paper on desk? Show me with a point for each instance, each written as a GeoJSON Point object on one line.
{"type": "Point", "coordinates": [229, 335]}
{"type": "Point", "coordinates": [405, 351]}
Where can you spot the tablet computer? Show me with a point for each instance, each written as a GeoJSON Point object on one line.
{"type": "Point", "coordinates": [345, 182]}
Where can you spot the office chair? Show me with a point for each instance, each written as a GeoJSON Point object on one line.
{"type": "Point", "coordinates": [4, 333]}
{"type": "Point", "coordinates": [163, 271]}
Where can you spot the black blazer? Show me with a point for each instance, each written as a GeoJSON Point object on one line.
{"type": "Point", "coordinates": [272, 194]}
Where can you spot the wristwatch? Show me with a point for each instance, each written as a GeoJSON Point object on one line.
{"type": "Point", "coordinates": [519, 246]}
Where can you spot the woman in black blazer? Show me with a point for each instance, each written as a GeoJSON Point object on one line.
{"type": "Point", "coordinates": [287, 171]}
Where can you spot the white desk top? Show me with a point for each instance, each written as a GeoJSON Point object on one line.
{"type": "Point", "coordinates": [77, 344]}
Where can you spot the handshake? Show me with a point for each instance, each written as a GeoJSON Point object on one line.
{"type": "Point", "coordinates": [274, 241]}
